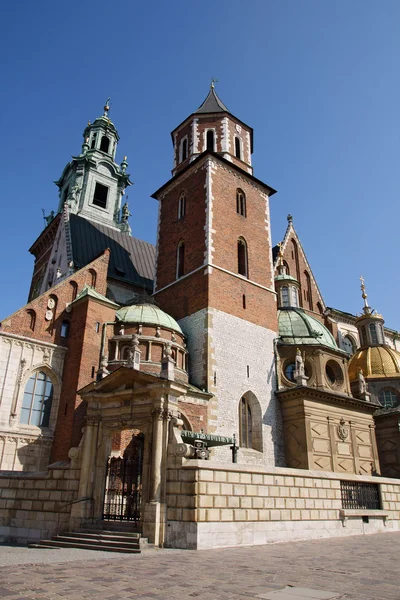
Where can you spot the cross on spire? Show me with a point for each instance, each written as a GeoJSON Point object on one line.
{"type": "Point", "coordinates": [213, 80]}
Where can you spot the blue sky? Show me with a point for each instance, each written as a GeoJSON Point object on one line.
{"type": "Point", "coordinates": [317, 80]}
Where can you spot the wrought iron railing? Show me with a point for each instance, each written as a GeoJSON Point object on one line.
{"type": "Point", "coordinates": [358, 494]}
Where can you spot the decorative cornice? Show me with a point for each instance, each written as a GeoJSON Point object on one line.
{"type": "Point", "coordinates": [315, 394]}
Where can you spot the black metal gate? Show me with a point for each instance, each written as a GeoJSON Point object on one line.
{"type": "Point", "coordinates": [123, 490]}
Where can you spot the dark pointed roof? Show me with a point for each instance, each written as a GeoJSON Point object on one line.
{"type": "Point", "coordinates": [212, 104]}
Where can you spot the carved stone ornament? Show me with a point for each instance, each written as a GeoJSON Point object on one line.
{"type": "Point", "coordinates": [342, 430]}
{"type": "Point", "coordinates": [46, 355]}
{"type": "Point", "coordinates": [73, 452]}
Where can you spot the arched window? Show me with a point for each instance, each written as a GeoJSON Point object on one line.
{"type": "Point", "coordinates": [250, 422]}
{"type": "Point", "coordinates": [32, 319]}
{"type": "Point", "coordinates": [240, 203]}
{"type": "Point", "coordinates": [320, 309]}
{"type": "Point", "coordinates": [74, 290]}
{"type": "Point", "coordinates": [245, 424]}
{"type": "Point", "coordinates": [364, 340]}
{"type": "Point", "coordinates": [349, 344]}
{"type": "Point", "coordinates": [307, 291]}
{"type": "Point", "coordinates": [64, 329]}
{"type": "Point", "coordinates": [93, 144]}
{"type": "Point", "coordinates": [93, 277]}
{"type": "Point", "coordinates": [285, 296]}
{"type": "Point", "coordinates": [184, 151]}
{"type": "Point", "coordinates": [182, 206]}
{"type": "Point", "coordinates": [372, 331]}
{"type": "Point", "coordinates": [104, 144]}
{"type": "Point", "coordinates": [238, 148]}
{"type": "Point", "coordinates": [389, 399]}
{"type": "Point", "coordinates": [36, 404]}
{"type": "Point", "coordinates": [295, 296]}
{"type": "Point", "coordinates": [180, 259]}
{"type": "Point", "coordinates": [242, 258]}
{"type": "Point", "coordinates": [210, 140]}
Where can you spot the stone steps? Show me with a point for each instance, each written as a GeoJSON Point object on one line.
{"type": "Point", "coordinates": [92, 538]}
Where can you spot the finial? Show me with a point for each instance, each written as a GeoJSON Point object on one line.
{"type": "Point", "coordinates": [107, 107]}
{"type": "Point", "coordinates": [213, 80]}
{"type": "Point", "coordinates": [124, 164]}
{"type": "Point", "coordinates": [88, 123]}
{"type": "Point", "coordinates": [290, 218]}
{"type": "Point", "coordinates": [364, 295]}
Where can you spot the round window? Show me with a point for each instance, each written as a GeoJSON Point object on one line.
{"type": "Point", "coordinates": [389, 399]}
{"type": "Point", "coordinates": [334, 373]}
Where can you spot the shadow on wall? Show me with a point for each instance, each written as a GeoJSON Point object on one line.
{"type": "Point", "coordinates": [273, 419]}
{"type": "Point", "coordinates": [33, 456]}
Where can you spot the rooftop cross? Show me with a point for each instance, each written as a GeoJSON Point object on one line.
{"type": "Point", "coordinates": [213, 80]}
{"type": "Point", "coordinates": [364, 295]}
{"type": "Point", "coordinates": [107, 107]}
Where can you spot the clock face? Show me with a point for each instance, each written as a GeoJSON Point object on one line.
{"type": "Point", "coordinates": [51, 303]}
{"type": "Point", "coordinates": [49, 315]}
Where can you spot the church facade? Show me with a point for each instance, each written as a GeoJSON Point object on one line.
{"type": "Point", "coordinates": [143, 360]}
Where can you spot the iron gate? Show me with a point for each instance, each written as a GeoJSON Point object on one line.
{"type": "Point", "coordinates": [359, 494]}
{"type": "Point", "coordinates": [123, 490]}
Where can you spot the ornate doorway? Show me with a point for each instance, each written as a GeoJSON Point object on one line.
{"type": "Point", "coordinates": [123, 489]}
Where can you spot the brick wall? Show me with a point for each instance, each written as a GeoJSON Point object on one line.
{"type": "Point", "coordinates": [230, 505]}
{"type": "Point", "coordinates": [35, 506]}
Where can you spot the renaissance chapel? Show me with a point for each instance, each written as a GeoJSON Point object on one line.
{"type": "Point", "coordinates": [195, 394]}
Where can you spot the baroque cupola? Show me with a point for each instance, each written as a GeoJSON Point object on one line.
{"type": "Point", "coordinates": [212, 127]}
{"type": "Point", "coordinates": [92, 185]}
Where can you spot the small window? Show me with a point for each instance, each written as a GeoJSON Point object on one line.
{"type": "Point", "coordinates": [289, 371]}
{"type": "Point", "coordinates": [74, 290]}
{"type": "Point", "coordinates": [364, 341]}
{"type": "Point", "coordinates": [210, 140]}
{"type": "Point", "coordinates": [372, 331]}
{"type": "Point", "coordinates": [184, 150]}
{"type": "Point", "coordinates": [182, 206]}
{"type": "Point", "coordinates": [32, 319]}
{"type": "Point", "coordinates": [104, 144]}
{"type": "Point", "coordinates": [180, 266]}
{"type": "Point", "coordinates": [97, 327]}
{"type": "Point", "coordinates": [93, 277]}
{"type": "Point", "coordinates": [389, 399]}
{"type": "Point", "coordinates": [36, 404]}
{"type": "Point", "coordinates": [93, 144]}
{"type": "Point", "coordinates": [240, 203]}
{"type": "Point", "coordinates": [242, 258]}
{"type": "Point", "coordinates": [100, 195]}
{"type": "Point", "coordinates": [64, 329]}
{"type": "Point", "coordinates": [244, 300]}
{"type": "Point", "coordinates": [245, 424]}
{"type": "Point", "coordinates": [238, 149]}
{"type": "Point", "coordinates": [285, 296]}
{"type": "Point", "coordinates": [93, 372]}
{"type": "Point", "coordinates": [295, 298]}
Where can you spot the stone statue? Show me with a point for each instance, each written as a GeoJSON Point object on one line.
{"type": "Point", "coordinates": [362, 384]}
{"type": "Point", "coordinates": [299, 363]}
{"type": "Point", "coordinates": [133, 351]}
{"type": "Point", "coordinates": [49, 218]}
{"type": "Point", "coordinates": [125, 213]}
{"type": "Point", "coordinates": [167, 352]}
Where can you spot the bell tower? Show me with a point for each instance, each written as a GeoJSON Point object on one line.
{"type": "Point", "coordinates": [214, 270]}
{"type": "Point", "coordinates": [92, 184]}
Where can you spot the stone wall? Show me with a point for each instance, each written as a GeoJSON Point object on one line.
{"type": "Point", "coordinates": [213, 505]}
{"type": "Point", "coordinates": [35, 506]}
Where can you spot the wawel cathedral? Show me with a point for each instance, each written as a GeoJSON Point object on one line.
{"type": "Point", "coordinates": [160, 388]}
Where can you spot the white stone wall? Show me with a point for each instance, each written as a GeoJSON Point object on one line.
{"type": "Point", "coordinates": [25, 447]}
{"type": "Point", "coordinates": [236, 357]}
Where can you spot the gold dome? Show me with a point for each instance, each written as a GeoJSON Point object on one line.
{"type": "Point", "coordinates": [376, 361]}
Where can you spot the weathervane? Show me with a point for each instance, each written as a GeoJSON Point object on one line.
{"type": "Point", "coordinates": [213, 80]}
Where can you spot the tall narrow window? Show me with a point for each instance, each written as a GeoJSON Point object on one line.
{"type": "Point", "coordinates": [210, 140]}
{"type": "Point", "coordinates": [38, 396]}
{"type": "Point", "coordinates": [308, 295]}
{"type": "Point", "coordinates": [372, 331]}
{"type": "Point", "coordinates": [238, 149]}
{"type": "Point", "coordinates": [244, 300]}
{"type": "Point", "coordinates": [320, 309]}
{"type": "Point", "coordinates": [93, 277]}
{"type": "Point", "coordinates": [104, 144]}
{"type": "Point", "coordinates": [32, 319]}
{"type": "Point", "coordinates": [295, 298]}
{"type": "Point", "coordinates": [245, 424]}
{"type": "Point", "coordinates": [295, 256]}
{"type": "Point", "coordinates": [180, 262]}
{"type": "Point", "coordinates": [93, 144]}
{"type": "Point", "coordinates": [364, 341]}
{"type": "Point", "coordinates": [242, 257]}
{"type": "Point", "coordinates": [100, 195]}
{"type": "Point", "coordinates": [182, 206]}
{"type": "Point", "coordinates": [184, 149]}
{"type": "Point", "coordinates": [285, 296]}
{"type": "Point", "coordinates": [240, 203]}
{"type": "Point", "coordinates": [64, 329]}
{"type": "Point", "coordinates": [74, 290]}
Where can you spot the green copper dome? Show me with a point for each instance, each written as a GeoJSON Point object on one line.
{"type": "Point", "coordinates": [297, 327]}
{"type": "Point", "coordinates": [147, 314]}
{"type": "Point", "coordinates": [285, 277]}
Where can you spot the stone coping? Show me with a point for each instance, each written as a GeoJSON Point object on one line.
{"type": "Point", "coordinates": [363, 512]}
{"type": "Point", "coordinates": [208, 465]}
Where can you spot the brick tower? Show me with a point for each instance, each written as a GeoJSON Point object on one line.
{"type": "Point", "coordinates": [214, 274]}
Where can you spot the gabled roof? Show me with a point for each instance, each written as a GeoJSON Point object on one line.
{"type": "Point", "coordinates": [212, 104]}
{"type": "Point", "coordinates": [92, 293]}
{"type": "Point", "coordinates": [131, 260]}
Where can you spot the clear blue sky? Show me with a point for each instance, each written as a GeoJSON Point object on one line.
{"type": "Point", "coordinates": [317, 80]}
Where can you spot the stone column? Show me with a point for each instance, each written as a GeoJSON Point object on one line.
{"type": "Point", "coordinates": [82, 510]}
{"type": "Point", "coordinates": [157, 454]}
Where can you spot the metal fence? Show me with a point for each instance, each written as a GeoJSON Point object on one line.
{"type": "Point", "coordinates": [356, 494]}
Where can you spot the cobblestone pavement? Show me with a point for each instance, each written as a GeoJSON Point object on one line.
{"type": "Point", "coordinates": [355, 568]}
